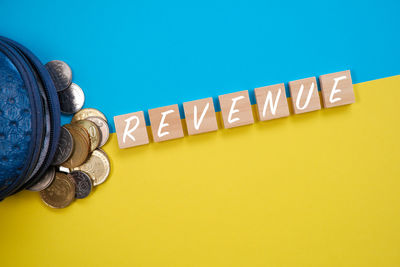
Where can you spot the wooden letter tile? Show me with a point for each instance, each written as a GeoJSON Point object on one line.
{"type": "Point", "coordinates": [131, 129]}
{"type": "Point", "coordinates": [200, 116]}
{"type": "Point", "coordinates": [271, 102]}
{"type": "Point", "coordinates": [304, 94]}
{"type": "Point", "coordinates": [165, 123]}
{"type": "Point", "coordinates": [236, 109]}
{"type": "Point", "coordinates": [337, 89]}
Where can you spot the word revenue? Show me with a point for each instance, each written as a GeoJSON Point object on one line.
{"type": "Point", "coordinates": [336, 88]}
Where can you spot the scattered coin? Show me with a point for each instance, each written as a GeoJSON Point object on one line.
{"type": "Point", "coordinates": [87, 112]}
{"type": "Point", "coordinates": [60, 193]}
{"type": "Point", "coordinates": [97, 166]}
{"type": "Point", "coordinates": [75, 170]}
{"type": "Point", "coordinates": [65, 147]}
{"type": "Point", "coordinates": [93, 131]}
{"type": "Point", "coordinates": [71, 99]}
{"type": "Point", "coordinates": [45, 181]}
{"type": "Point", "coordinates": [60, 73]}
{"type": "Point", "coordinates": [83, 184]}
{"type": "Point", "coordinates": [103, 127]}
{"type": "Point", "coordinates": [81, 147]}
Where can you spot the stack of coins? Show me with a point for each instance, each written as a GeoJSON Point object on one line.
{"type": "Point", "coordinates": [79, 164]}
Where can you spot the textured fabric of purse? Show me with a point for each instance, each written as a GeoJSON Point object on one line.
{"type": "Point", "coordinates": [29, 118]}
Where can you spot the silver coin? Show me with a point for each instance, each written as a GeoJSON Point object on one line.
{"type": "Point", "coordinates": [71, 99]}
{"type": "Point", "coordinates": [45, 181]}
{"type": "Point", "coordinates": [64, 148]}
{"type": "Point", "coordinates": [83, 183]}
{"type": "Point", "coordinates": [103, 127]}
{"type": "Point", "coordinates": [98, 167]}
{"type": "Point", "coordinates": [60, 73]}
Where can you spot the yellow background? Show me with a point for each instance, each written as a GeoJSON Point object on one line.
{"type": "Point", "coordinates": [318, 189]}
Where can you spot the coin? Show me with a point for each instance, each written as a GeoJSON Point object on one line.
{"type": "Point", "coordinates": [93, 131]}
{"type": "Point", "coordinates": [97, 166]}
{"type": "Point", "coordinates": [81, 147]}
{"type": "Point", "coordinates": [71, 99]}
{"type": "Point", "coordinates": [103, 127]}
{"type": "Point", "coordinates": [64, 148]}
{"type": "Point", "coordinates": [60, 73]}
{"type": "Point", "coordinates": [83, 184]}
{"type": "Point", "coordinates": [88, 112]}
{"type": "Point", "coordinates": [81, 130]}
{"type": "Point", "coordinates": [45, 181]}
{"type": "Point", "coordinates": [60, 193]}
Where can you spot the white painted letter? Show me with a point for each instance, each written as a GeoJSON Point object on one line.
{"type": "Point", "coordinates": [269, 99]}
{"type": "Point", "coordinates": [334, 90]}
{"type": "Point", "coordinates": [162, 124]}
{"type": "Point", "coordinates": [308, 97]}
{"type": "Point", "coordinates": [128, 132]}
{"type": "Point", "coordinates": [197, 123]}
{"type": "Point", "coordinates": [233, 110]}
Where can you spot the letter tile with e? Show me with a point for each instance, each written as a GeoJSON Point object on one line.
{"type": "Point", "coordinates": [236, 109]}
{"type": "Point", "coordinates": [337, 89]}
{"type": "Point", "coordinates": [166, 123]}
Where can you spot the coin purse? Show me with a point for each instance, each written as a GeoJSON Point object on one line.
{"type": "Point", "coordinates": [29, 118]}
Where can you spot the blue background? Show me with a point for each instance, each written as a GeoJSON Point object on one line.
{"type": "Point", "coordinates": [136, 55]}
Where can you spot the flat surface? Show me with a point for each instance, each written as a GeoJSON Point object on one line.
{"type": "Point", "coordinates": [136, 55]}
{"type": "Point", "coordinates": [268, 194]}
{"type": "Point", "coordinates": [318, 189]}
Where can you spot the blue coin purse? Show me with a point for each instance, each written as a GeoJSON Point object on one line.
{"type": "Point", "coordinates": [29, 118]}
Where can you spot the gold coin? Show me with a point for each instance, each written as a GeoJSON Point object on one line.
{"type": "Point", "coordinates": [82, 131]}
{"type": "Point", "coordinates": [103, 127]}
{"type": "Point", "coordinates": [81, 146]}
{"type": "Point", "coordinates": [87, 112]}
{"type": "Point", "coordinates": [93, 131]}
{"type": "Point", "coordinates": [97, 166]}
{"type": "Point", "coordinates": [60, 193]}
